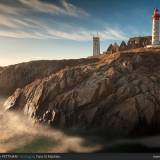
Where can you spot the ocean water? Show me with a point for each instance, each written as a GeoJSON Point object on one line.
{"type": "Point", "coordinates": [20, 135]}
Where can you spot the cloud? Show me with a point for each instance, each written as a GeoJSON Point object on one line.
{"type": "Point", "coordinates": [39, 29]}
{"type": "Point", "coordinates": [17, 22]}
{"type": "Point", "coordinates": [20, 7]}
{"type": "Point", "coordinates": [6, 9]}
{"type": "Point", "coordinates": [113, 34]}
{"type": "Point", "coordinates": [74, 34]}
{"type": "Point", "coordinates": [86, 35]}
{"type": "Point", "coordinates": [66, 8]}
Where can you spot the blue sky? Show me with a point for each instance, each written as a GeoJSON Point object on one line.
{"type": "Point", "coordinates": [60, 29]}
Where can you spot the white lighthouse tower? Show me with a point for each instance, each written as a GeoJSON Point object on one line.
{"type": "Point", "coordinates": [96, 45]}
{"type": "Point", "coordinates": [155, 28]}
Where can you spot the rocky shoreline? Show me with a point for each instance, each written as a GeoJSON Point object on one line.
{"type": "Point", "coordinates": [115, 93]}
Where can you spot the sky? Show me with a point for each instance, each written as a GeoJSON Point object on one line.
{"type": "Point", "coordinates": [63, 29]}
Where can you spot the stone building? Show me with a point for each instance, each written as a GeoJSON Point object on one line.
{"type": "Point", "coordinates": [113, 48]}
{"type": "Point", "coordinates": [110, 48]}
{"type": "Point", "coordinates": [135, 42]}
{"type": "Point", "coordinates": [139, 42]}
{"type": "Point", "coordinates": [123, 46]}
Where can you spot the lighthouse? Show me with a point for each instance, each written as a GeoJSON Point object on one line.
{"type": "Point", "coordinates": [155, 28]}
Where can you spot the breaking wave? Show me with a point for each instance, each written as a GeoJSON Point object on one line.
{"type": "Point", "coordinates": [18, 134]}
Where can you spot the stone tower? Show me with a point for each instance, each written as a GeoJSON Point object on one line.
{"type": "Point", "coordinates": [96, 45]}
{"type": "Point", "coordinates": [155, 27]}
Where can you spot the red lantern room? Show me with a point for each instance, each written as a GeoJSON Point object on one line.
{"type": "Point", "coordinates": [156, 15]}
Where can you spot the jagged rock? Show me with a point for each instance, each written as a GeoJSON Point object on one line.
{"type": "Point", "coordinates": [124, 115]}
{"type": "Point", "coordinates": [146, 107]}
{"type": "Point", "coordinates": [114, 93]}
{"type": "Point", "coordinates": [137, 59]}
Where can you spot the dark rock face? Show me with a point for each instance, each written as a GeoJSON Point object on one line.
{"type": "Point", "coordinates": [118, 93]}
{"type": "Point", "coordinates": [17, 76]}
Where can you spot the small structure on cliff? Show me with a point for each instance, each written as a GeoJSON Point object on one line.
{"type": "Point", "coordinates": [139, 42]}
{"type": "Point", "coordinates": [113, 48]}
{"type": "Point", "coordinates": [123, 46]}
{"type": "Point", "coordinates": [135, 42]}
{"type": "Point", "coordinates": [96, 45]}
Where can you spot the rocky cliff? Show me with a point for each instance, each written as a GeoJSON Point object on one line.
{"type": "Point", "coordinates": [116, 93]}
{"type": "Point", "coordinates": [15, 76]}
